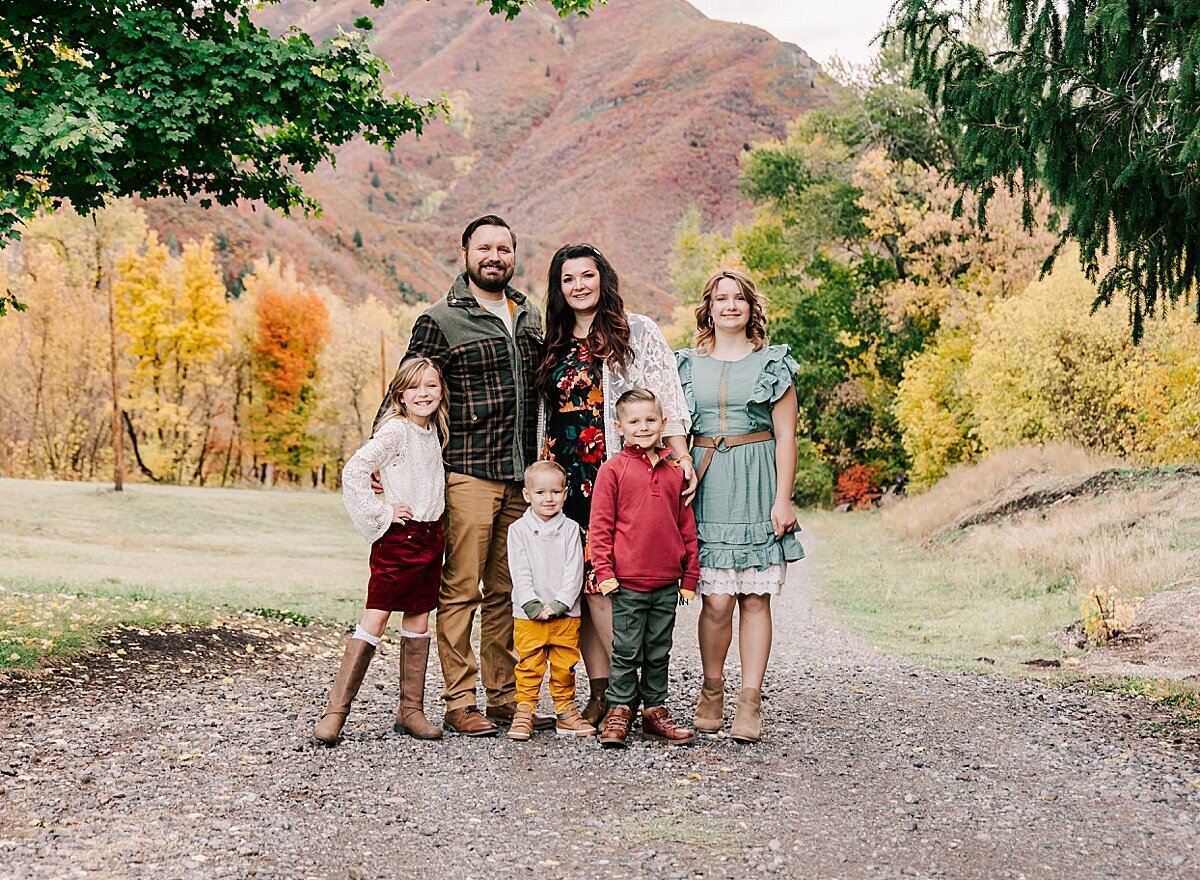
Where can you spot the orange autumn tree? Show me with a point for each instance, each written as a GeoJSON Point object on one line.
{"type": "Point", "coordinates": [292, 328]}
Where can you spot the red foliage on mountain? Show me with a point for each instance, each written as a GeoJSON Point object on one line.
{"type": "Point", "coordinates": [606, 130]}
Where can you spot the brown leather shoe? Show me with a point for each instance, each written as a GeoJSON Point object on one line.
{"type": "Point", "coordinates": [505, 712]}
{"type": "Point", "coordinates": [657, 724]}
{"type": "Point", "coordinates": [597, 704]}
{"type": "Point", "coordinates": [615, 728]}
{"type": "Point", "coordinates": [468, 721]}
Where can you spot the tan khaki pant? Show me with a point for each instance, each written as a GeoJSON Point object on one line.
{"type": "Point", "coordinates": [478, 514]}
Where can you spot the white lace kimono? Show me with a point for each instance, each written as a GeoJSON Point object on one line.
{"type": "Point", "coordinates": [653, 367]}
{"type": "Point", "coordinates": [409, 461]}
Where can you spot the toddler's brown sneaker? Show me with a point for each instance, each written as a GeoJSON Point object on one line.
{"type": "Point", "coordinates": [521, 728]}
{"type": "Point", "coordinates": [570, 723]}
{"type": "Point", "coordinates": [615, 728]}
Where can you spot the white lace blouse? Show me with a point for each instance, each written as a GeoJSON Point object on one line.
{"type": "Point", "coordinates": [653, 367]}
{"type": "Point", "coordinates": [409, 461]}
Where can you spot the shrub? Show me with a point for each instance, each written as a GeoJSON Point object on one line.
{"type": "Point", "coordinates": [813, 485]}
{"type": "Point", "coordinates": [858, 486]}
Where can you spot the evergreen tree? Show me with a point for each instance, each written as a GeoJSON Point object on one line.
{"type": "Point", "coordinates": [1096, 103]}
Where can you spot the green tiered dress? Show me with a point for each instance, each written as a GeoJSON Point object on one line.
{"type": "Point", "coordinates": [738, 550]}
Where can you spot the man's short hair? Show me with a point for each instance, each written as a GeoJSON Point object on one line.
{"type": "Point", "coordinates": [486, 220]}
{"type": "Point", "coordinates": [545, 466]}
{"type": "Point", "coordinates": [637, 395]}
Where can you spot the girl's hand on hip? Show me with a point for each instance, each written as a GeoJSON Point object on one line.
{"type": "Point", "coordinates": [783, 519]}
{"type": "Point", "coordinates": [401, 513]}
{"type": "Point", "coordinates": [689, 474]}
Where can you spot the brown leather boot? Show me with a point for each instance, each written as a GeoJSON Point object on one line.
{"type": "Point", "coordinates": [710, 710]}
{"type": "Point", "coordinates": [657, 724]}
{"type": "Point", "coordinates": [410, 717]}
{"type": "Point", "coordinates": [597, 704]}
{"type": "Point", "coordinates": [345, 687]}
{"type": "Point", "coordinates": [468, 721]}
{"type": "Point", "coordinates": [615, 729]}
{"type": "Point", "coordinates": [503, 713]}
{"type": "Point", "coordinates": [521, 728]}
{"type": "Point", "coordinates": [747, 718]}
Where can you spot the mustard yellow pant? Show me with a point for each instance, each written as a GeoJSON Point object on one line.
{"type": "Point", "coordinates": [541, 642]}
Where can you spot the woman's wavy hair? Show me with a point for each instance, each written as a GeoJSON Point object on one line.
{"type": "Point", "coordinates": [408, 375]}
{"type": "Point", "coordinates": [608, 339]}
{"type": "Point", "coordinates": [756, 327]}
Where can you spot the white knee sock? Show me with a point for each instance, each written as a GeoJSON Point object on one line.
{"type": "Point", "coordinates": [360, 633]}
{"type": "Point", "coordinates": [406, 634]}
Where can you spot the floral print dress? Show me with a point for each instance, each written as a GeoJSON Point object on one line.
{"type": "Point", "coordinates": [575, 437]}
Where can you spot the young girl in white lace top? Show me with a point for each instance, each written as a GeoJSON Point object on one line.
{"type": "Point", "coordinates": [407, 543]}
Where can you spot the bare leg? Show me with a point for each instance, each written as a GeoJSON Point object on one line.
{"type": "Point", "coordinates": [415, 623]}
{"type": "Point", "coordinates": [596, 634]}
{"type": "Point", "coordinates": [715, 632]}
{"type": "Point", "coordinates": [375, 621]}
{"type": "Point", "coordinates": [754, 638]}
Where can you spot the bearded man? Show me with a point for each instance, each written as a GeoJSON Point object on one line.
{"type": "Point", "coordinates": [486, 337]}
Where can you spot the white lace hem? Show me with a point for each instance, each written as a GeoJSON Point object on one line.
{"type": "Point", "coordinates": [742, 581]}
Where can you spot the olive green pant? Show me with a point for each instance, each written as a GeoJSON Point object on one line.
{"type": "Point", "coordinates": [643, 633]}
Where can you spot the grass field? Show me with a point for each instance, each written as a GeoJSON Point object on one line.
{"type": "Point", "coordinates": [155, 555]}
{"type": "Point", "coordinates": [905, 578]}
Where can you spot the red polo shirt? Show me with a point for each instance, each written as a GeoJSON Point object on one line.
{"type": "Point", "coordinates": [641, 532]}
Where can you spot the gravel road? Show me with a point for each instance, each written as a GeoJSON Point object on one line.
{"type": "Point", "coordinates": [195, 762]}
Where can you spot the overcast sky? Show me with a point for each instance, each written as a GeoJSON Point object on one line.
{"type": "Point", "coordinates": [822, 29]}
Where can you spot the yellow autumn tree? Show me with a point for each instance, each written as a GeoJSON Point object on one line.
{"type": "Point", "coordinates": [174, 323]}
{"type": "Point", "coordinates": [934, 409]}
{"type": "Point", "coordinates": [1044, 369]}
{"type": "Point", "coordinates": [56, 398]}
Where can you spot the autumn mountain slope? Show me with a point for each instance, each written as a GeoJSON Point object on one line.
{"type": "Point", "coordinates": [606, 129]}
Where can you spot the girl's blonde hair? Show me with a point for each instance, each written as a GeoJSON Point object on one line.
{"type": "Point", "coordinates": [408, 375]}
{"type": "Point", "coordinates": [756, 327]}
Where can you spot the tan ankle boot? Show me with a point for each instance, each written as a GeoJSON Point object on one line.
{"type": "Point", "coordinates": [345, 687]}
{"type": "Point", "coordinates": [521, 728]}
{"type": "Point", "coordinates": [710, 710]}
{"type": "Point", "coordinates": [571, 723]}
{"type": "Point", "coordinates": [747, 718]}
{"type": "Point", "coordinates": [410, 717]}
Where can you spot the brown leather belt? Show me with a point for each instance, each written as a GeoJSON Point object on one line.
{"type": "Point", "coordinates": [724, 444]}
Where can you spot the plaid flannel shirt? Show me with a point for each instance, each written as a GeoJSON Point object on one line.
{"type": "Point", "coordinates": [489, 379]}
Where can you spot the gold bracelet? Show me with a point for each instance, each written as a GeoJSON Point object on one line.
{"type": "Point", "coordinates": [685, 455]}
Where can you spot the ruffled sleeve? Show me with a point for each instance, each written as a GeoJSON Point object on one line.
{"type": "Point", "coordinates": [778, 373]}
{"type": "Point", "coordinates": [654, 362]}
{"type": "Point", "coordinates": [370, 513]}
{"type": "Point", "coordinates": [683, 360]}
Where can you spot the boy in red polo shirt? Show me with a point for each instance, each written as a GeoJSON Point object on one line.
{"type": "Point", "coordinates": [643, 543]}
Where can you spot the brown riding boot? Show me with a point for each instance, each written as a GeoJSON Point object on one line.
{"type": "Point", "coordinates": [657, 724]}
{"type": "Point", "coordinates": [597, 704]}
{"type": "Point", "coordinates": [747, 718]}
{"type": "Point", "coordinates": [521, 728]}
{"type": "Point", "coordinates": [410, 717]}
{"type": "Point", "coordinates": [615, 729]}
{"type": "Point", "coordinates": [343, 691]}
{"type": "Point", "coordinates": [710, 710]}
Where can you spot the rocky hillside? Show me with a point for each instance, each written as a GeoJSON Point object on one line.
{"type": "Point", "coordinates": [606, 129]}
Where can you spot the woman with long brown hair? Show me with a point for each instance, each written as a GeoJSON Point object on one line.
{"type": "Point", "coordinates": [742, 402]}
{"type": "Point", "coordinates": [595, 352]}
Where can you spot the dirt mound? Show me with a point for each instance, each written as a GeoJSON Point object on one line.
{"type": "Point", "coordinates": [130, 657]}
{"type": "Point", "coordinates": [1163, 642]}
{"type": "Point", "coordinates": [1036, 490]}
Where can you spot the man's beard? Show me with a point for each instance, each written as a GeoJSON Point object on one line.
{"type": "Point", "coordinates": [491, 285]}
